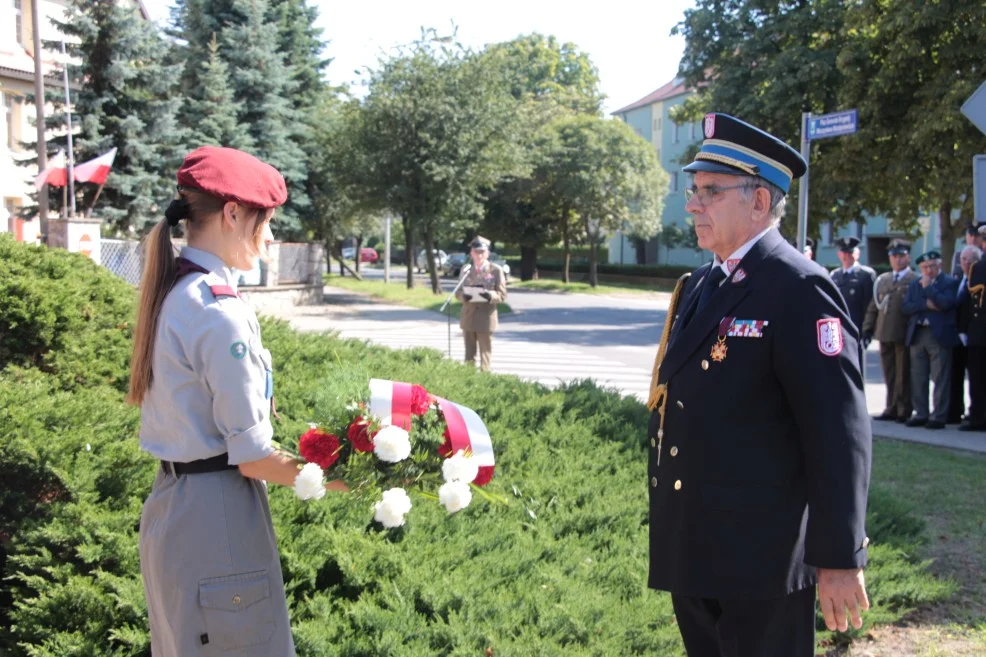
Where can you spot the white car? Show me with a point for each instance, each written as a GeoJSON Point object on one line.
{"type": "Point", "coordinates": [421, 262]}
{"type": "Point", "coordinates": [349, 252]}
{"type": "Point", "coordinates": [499, 260]}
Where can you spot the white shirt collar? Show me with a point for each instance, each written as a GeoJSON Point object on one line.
{"type": "Point", "coordinates": [738, 254]}
{"type": "Point", "coordinates": [855, 266]}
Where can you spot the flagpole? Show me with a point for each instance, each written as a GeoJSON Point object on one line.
{"type": "Point", "coordinates": [95, 198]}
{"type": "Point", "coordinates": [39, 108]}
{"type": "Point", "coordinates": [68, 119]}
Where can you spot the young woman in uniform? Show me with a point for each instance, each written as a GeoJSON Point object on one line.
{"type": "Point", "coordinates": [203, 380]}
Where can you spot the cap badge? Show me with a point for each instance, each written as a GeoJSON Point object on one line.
{"type": "Point", "coordinates": [710, 125]}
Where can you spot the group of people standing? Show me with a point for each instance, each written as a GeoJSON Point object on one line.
{"type": "Point", "coordinates": [930, 327]}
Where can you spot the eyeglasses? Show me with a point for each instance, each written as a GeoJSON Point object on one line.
{"type": "Point", "coordinates": [707, 195]}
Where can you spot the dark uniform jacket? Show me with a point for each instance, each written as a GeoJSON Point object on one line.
{"type": "Point", "coordinates": [765, 456]}
{"type": "Point", "coordinates": [975, 324]}
{"type": "Point", "coordinates": [943, 293]}
{"type": "Point", "coordinates": [857, 289]}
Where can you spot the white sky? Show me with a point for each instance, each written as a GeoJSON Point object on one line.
{"type": "Point", "coordinates": [629, 42]}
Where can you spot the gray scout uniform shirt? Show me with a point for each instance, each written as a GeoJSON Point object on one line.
{"type": "Point", "coordinates": [212, 377]}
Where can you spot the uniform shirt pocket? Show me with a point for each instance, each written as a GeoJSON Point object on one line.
{"type": "Point", "coordinates": [265, 358]}
{"type": "Point", "coordinates": [237, 609]}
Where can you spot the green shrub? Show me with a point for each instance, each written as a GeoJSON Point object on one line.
{"type": "Point", "coordinates": [653, 271]}
{"type": "Point", "coordinates": [64, 314]}
{"type": "Point", "coordinates": [559, 570]}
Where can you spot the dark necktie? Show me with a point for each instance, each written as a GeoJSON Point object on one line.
{"type": "Point", "coordinates": [715, 277]}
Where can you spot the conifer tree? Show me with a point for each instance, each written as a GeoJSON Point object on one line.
{"type": "Point", "coordinates": [211, 113]}
{"type": "Point", "coordinates": [124, 96]}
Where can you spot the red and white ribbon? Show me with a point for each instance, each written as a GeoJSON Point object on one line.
{"type": "Point", "coordinates": [390, 402]}
{"type": "Point", "coordinates": [467, 432]}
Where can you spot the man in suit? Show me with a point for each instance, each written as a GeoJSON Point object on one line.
{"type": "Point", "coordinates": [971, 320]}
{"type": "Point", "coordinates": [855, 281]}
{"type": "Point", "coordinates": [965, 257]}
{"type": "Point", "coordinates": [759, 440]}
{"type": "Point", "coordinates": [886, 322]}
{"type": "Point", "coordinates": [931, 335]}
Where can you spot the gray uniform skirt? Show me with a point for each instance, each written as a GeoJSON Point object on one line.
{"type": "Point", "coordinates": [211, 571]}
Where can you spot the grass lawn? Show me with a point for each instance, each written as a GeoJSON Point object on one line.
{"type": "Point", "coordinates": [417, 297]}
{"type": "Point", "coordinates": [547, 285]}
{"type": "Point", "coordinates": [947, 490]}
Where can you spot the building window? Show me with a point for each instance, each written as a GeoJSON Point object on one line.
{"type": "Point", "coordinates": [654, 127]}
{"type": "Point", "coordinates": [11, 121]}
{"type": "Point", "coordinates": [694, 131]}
{"type": "Point", "coordinates": [19, 21]}
{"type": "Point", "coordinates": [674, 182]}
{"type": "Point", "coordinates": [827, 234]}
{"type": "Point", "coordinates": [658, 123]}
{"type": "Point", "coordinates": [674, 133]}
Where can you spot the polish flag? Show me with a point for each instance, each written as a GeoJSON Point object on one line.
{"type": "Point", "coordinates": [55, 174]}
{"type": "Point", "coordinates": [97, 170]}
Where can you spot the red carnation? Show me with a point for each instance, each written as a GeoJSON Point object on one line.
{"type": "Point", "coordinates": [485, 475]}
{"type": "Point", "coordinates": [420, 400]}
{"type": "Point", "coordinates": [445, 449]}
{"type": "Point", "coordinates": [319, 447]}
{"type": "Point", "coordinates": [359, 435]}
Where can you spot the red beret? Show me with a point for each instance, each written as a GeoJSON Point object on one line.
{"type": "Point", "coordinates": [233, 175]}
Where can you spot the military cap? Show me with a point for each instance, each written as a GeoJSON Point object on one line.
{"type": "Point", "coordinates": [234, 176]}
{"type": "Point", "coordinates": [930, 255]}
{"type": "Point", "coordinates": [737, 148]}
{"type": "Point", "coordinates": [847, 244]}
{"type": "Point", "coordinates": [898, 247]}
{"type": "Point", "coordinates": [480, 244]}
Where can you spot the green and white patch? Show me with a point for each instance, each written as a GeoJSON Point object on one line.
{"type": "Point", "coordinates": [238, 350]}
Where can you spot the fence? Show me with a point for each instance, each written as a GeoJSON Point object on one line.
{"type": "Point", "coordinates": [124, 258]}
{"type": "Point", "coordinates": [291, 263]}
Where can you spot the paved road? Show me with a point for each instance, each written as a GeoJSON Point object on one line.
{"type": "Point", "coordinates": [554, 337]}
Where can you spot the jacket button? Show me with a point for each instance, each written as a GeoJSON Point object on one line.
{"type": "Point", "coordinates": [705, 364]}
{"type": "Point", "coordinates": [653, 482]}
{"type": "Point", "coordinates": [674, 451]}
{"type": "Point", "coordinates": [680, 405]}
{"type": "Point", "coordinates": [660, 434]}
{"type": "Point", "coordinates": [653, 443]}
{"type": "Point", "coordinates": [866, 542]}
{"type": "Point", "coordinates": [236, 599]}
{"type": "Point", "coordinates": [677, 485]}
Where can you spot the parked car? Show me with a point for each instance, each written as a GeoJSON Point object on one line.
{"type": "Point", "coordinates": [349, 253]}
{"type": "Point", "coordinates": [421, 262]}
{"type": "Point", "coordinates": [367, 254]}
{"type": "Point", "coordinates": [453, 264]}
{"type": "Point", "coordinates": [498, 260]}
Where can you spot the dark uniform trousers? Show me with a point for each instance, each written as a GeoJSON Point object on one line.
{"type": "Point", "coordinates": [956, 403]}
{"type": "Point", "coordinates": [977, 384]}
{"type": "Point", "coordinates": [779, 627]}
{"type": "Point", "coordinates": [895, 358]}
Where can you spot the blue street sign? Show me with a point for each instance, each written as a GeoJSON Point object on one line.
{"type": "Point", "coordinates": [833, 125]}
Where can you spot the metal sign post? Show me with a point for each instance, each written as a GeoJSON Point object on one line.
{"type": "Point", "coordinates": [822, 126]}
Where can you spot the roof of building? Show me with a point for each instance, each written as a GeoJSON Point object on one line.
{"type": "Point", "coordinates": [673, 88]}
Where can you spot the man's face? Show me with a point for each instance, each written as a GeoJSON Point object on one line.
{"type": "Point", "coordinates": [970, 239]}
{"type": "Point", "coordinates": [846, 258]}
{"type": "Point", "coordinates": [930, 268]}
{"type": "Point", "coordinates": [966, 260]}
{"type": "Point", "coordinates": [725, 221]}
{"type": "Point", "coordinates": [899, 261]}
{"type": "Point", "coordinates": [479, 257]}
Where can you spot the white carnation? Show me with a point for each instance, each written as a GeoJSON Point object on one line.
{"type": "Point", "coordinates": [391, 509]}
{"type": "Point", "coordinates": [454, 495]}
{"type": "Point", "coordinates": [309, 484]}
{"type": "Point", "coordinates": [460, 468]}
{"type": "Point", "coordinates": [392, 444]}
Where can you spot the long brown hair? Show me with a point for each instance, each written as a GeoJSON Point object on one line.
{"type": "Point", "coordinates": [160, 269]}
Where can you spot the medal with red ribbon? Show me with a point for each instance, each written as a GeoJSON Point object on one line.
{"type": "Point", "coordinates": [719, 348]}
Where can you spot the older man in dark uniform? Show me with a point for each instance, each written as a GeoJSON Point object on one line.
{"type": "Point", "coordinates": [855, 281]}
{"type": "Point", "coordinates": [759, 440]}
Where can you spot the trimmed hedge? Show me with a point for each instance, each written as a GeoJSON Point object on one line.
{"type": "Point", "coordinates": [658, 271]}
{"type": "Point", "coordinates": [559, 570]}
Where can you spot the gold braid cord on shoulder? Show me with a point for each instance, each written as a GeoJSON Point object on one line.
{"type": "Point", "coordinates": [658, 393]}
{"type": "Point", "coordinates": [976, 291]}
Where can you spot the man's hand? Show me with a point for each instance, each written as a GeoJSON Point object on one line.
{"type": "Point", "coordinates": [838, 589]}
{"type": "Point", "coordinates": [931, 305]}
{"type": "Point", "coordinates": [466, 297]}
{"type": "Point", "coordinates": [926, 281]}
{"type": "Point", "coordinates": [486, 295]}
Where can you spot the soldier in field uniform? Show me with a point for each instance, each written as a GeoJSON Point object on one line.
{"type": "Point", "coordinates": [479, 316]}
{"type": "Point", "coordinates": [759, 440]}
{"type": "Point", "coordinates": [886, 322]}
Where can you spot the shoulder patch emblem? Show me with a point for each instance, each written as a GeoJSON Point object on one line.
{"type": "Point", "coordinates": [739, 275]}
{"type": "Point", "coordinates": [829, 330]}
{"type": "Point", "coordinates": [237, 350]}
